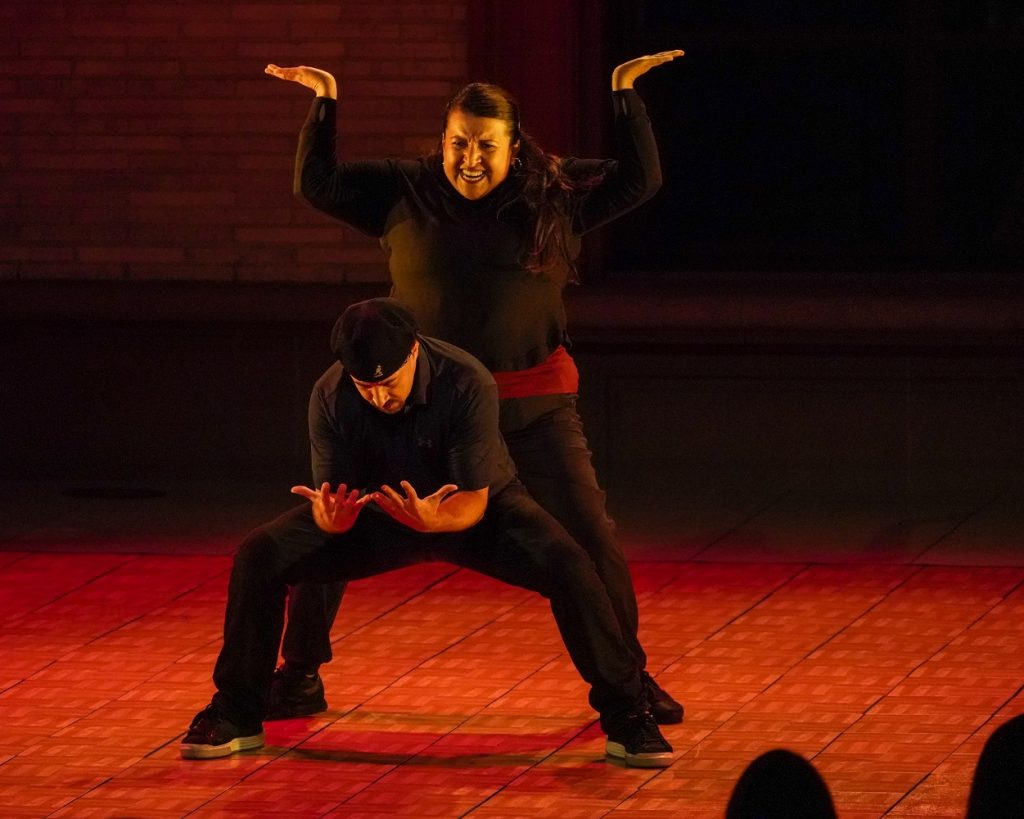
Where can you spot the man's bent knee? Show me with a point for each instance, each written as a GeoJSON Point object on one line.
{"type": "Point", "coordinates": [568, 563]}
{"type": "Point", "coordinates": [260, 554]}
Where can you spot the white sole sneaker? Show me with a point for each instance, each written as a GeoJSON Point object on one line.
{"type": "Point", "coordinates": [193, 750]}
{"type": "Point", "coordinates": [660, 759]}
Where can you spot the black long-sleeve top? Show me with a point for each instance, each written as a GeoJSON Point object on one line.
{"type": "Point", "coordinates": [460, 264]}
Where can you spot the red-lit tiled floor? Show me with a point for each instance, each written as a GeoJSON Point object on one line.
{"type": "Point", "coordinates": [451, 695]}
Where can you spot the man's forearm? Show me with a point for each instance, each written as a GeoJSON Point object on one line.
{"type": "Point", "coordinates": [459, 511]}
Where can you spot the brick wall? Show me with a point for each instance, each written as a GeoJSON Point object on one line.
{"type": "Point", "coordinates": [142, 141]}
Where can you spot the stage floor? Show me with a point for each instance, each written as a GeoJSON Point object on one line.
{"type": "Point", "coordinates": [875, 629]}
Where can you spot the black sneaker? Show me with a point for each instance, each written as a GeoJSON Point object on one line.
{"type": "Point", "coordinates": [638, 742]}
{"type": "Point", "coordinates": [212, 735]}
{"type": "Point", "coordinates": [664, 709]}
{"type": "Point", "coordinates": [295, 694]}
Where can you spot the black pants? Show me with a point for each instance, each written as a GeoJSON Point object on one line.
{"type": "Point", "coordinates": [516, 542]}
{"type": "Point", "coordinates": [545, 436]}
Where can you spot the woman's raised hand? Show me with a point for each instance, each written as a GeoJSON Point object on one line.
{"type": "Point", "coordinates": [624, 75]}
{"type": "Point", "coordinates": [322, 82]}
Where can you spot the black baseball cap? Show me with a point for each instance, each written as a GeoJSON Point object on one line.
{"type": "Point", "coordinates": [373, 338]}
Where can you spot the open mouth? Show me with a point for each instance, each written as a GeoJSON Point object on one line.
{"type": "Point", "coordinates": [472, 177]}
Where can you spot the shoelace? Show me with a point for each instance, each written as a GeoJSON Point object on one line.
{"type": "Point", "coordinates": [204, 718]}
{"type": "Point", "coordinates": [648, 728]}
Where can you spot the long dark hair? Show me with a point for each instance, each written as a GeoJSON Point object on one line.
{"type": "Point", "coordinates": [544, 189]}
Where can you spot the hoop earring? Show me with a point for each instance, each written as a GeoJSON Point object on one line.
{"type": "Point", "coordinates": [517, 164]}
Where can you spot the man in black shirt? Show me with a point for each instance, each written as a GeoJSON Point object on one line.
{"type": "Point", "coordinates": [406, 428]}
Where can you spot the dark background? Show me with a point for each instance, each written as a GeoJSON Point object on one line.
{"type": "Point", "coordinates": [849, 136]}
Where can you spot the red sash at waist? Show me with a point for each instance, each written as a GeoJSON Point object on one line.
{"type": "Point", "coordinates": [556, 375]}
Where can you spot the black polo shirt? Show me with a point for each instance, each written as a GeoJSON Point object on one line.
{"type": "Point", "coordinates": [446, 433]}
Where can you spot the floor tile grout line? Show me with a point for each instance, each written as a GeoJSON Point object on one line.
{"type": "Point", "coordinates": [583, 729]}
{"type": "Point", "coordinates": [438, 653]}
{"type": "Point", "coordinates": [385, 612]}
{"type": "Point", "coordinates": [972, 515]}
{"type": "Point", "coordinates": [461, 640]}
{"type": "Point", "coordinates": [297, 748]}
{"type": "Point", "coordinates": [751, 516]}
{"type": "Point", "coordinates": [799, 568]}
{"type": "Point", "coordinates": [420, 592]}
{"type": "Point", "coordinates": [59, 597]}
{"type": "Point", "coordinates": [94, 579]}
{"type": "Point", "coordinates": [866, 713]}
{"type": "Point", "coordinates": [811, 651]}
{"type": "Point", "coordinates": [970, 738]}
{"type": "Point", "coordinates": [156, 673]}
{"type": "Point", "coordinates": [907, 792]}
{"type": "Point", "coordinates": [981, 727]}
{"type": "Point", "coordinates": [269, 760]}
{"type": "Point", "coordinates": [803, 570]}
{"type": "Point", "coordinates": [568, 741]}
{"type": "Point", "coordinates": [75, 799]}
{"type": "Point", "coordinates": [866, 710]}
{"type": "Point", "coordinates": [168, 602]}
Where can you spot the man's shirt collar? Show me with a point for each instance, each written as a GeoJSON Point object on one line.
{"type": "Point", "coordinates": [421, 383]}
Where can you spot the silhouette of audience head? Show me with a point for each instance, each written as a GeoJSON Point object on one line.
{"type": "Point", "coordinates": [780, 784]}
{"type": "Point", "coordinates": [998, 786]}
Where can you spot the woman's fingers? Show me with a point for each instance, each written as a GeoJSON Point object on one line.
{"type": "Point", "coordinates": [277, 71]}
{"type": "Point", "coordinates": [660, 58]}
{"type": "Point", "coordinates": [295, 73]}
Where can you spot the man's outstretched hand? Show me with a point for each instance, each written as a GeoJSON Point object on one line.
{"type": "Point", "coordinates": [411, 510]}
{"type": "Point", "coordinates": [334, 512]}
